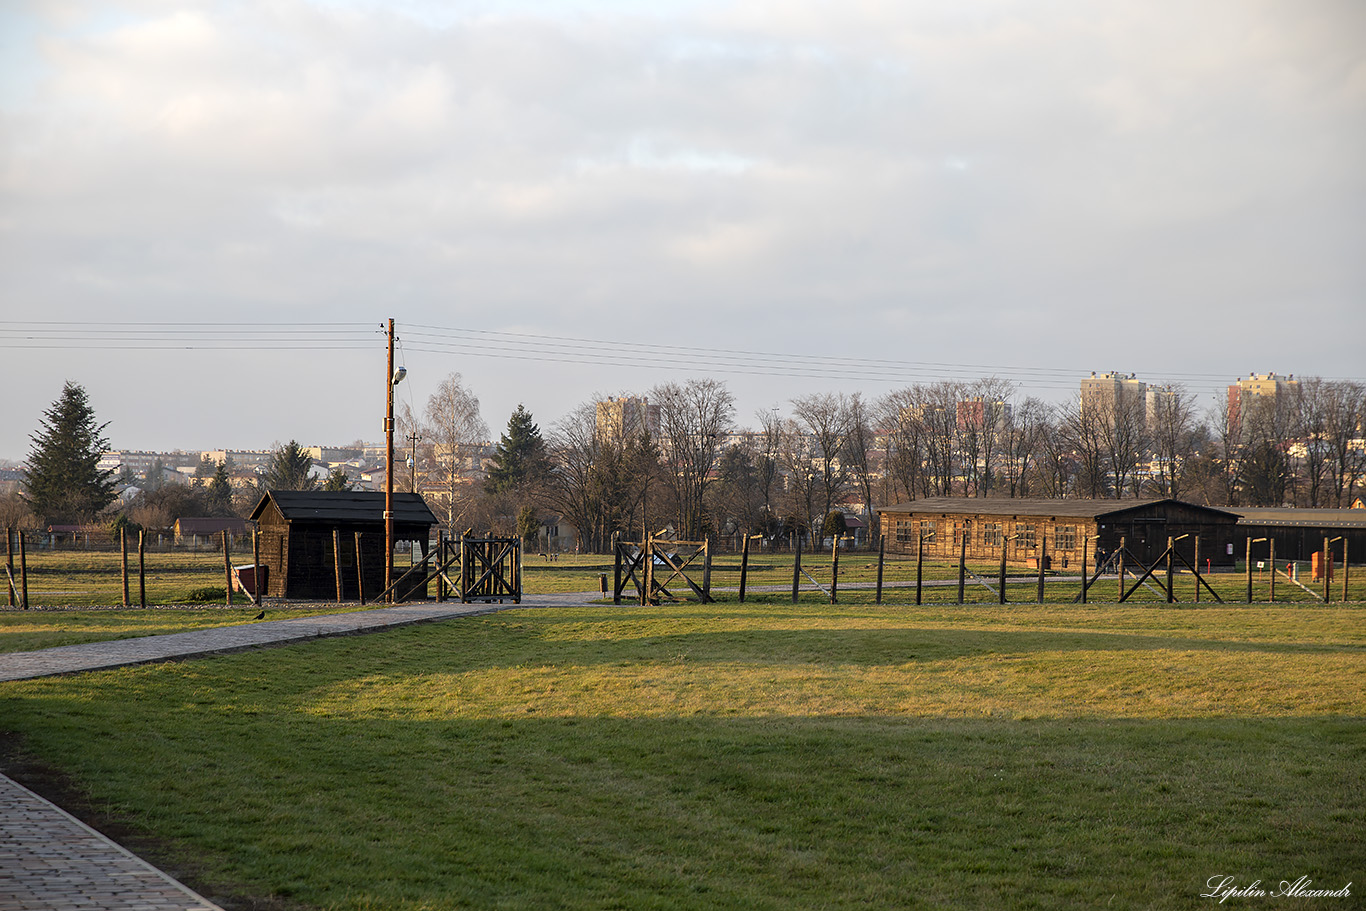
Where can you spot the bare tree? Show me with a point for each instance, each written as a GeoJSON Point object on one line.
{"type": "Point", "coordinates": [1083, 433]}
{"type": "Point", "coordinates": [825, 419]}
{"type": "Point", "coordinates": [572, 488]}
{"type": "Point", "coordinates": [1310, 448]}
{"type": "Point", "coordinates": [1057, 458]}
{"type": "Point", "coordinates": [1123, 428]}
{"type": "Point", "coordinates": [456, 432]}
{"type": "Point", "coordinates": [1344, 427]}
{"type": "Point", "coordinates": [1174, 434]}
{"type": "Point", "coordinates": [600, 481]}
{"type": "Point", "coordinates": [900, 413]}
{"type": "Point", "coordinates": [768, 447]}
{"type": "Point", "coordinates": [1225, 428]}
{"type": "Point", "coordinates": [858, 452]}
{"type": "Point", "coordinates": [938, 417]}
{"type": "Point", "coordinates": [1265, 424]}
{"type": "Point", "coordinates": [1021, 442]}
{"type": "Point", "coordinates": [694, 419]}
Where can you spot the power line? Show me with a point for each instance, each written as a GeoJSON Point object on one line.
{"type": "Point", "coordinates": [523, 346]}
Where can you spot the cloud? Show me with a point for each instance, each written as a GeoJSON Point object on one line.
{"type": "Point", "coordinates": [760, 167]}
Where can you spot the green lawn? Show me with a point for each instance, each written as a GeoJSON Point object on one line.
{"type": "Point", "coordinates": [743, 756]}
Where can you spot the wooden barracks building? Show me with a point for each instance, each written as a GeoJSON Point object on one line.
{"type": "Point", "coordinates": [1058, 529]}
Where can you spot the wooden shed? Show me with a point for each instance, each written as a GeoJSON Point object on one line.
{"type": "Point", "coordinates": [1026, 527]}
{"type": "Point", "coordinates": [296, 537]}
{"type": "Point", "coordinates": [1299, 533]}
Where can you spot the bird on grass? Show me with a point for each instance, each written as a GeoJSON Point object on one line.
{"type": "Point", "coordinates": [260, 616]}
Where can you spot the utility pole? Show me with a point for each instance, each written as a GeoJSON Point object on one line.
{"type": "Point", "coordinates": [389, 467]}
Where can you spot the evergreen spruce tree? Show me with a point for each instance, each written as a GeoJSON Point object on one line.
{"type": "Point", "coordinates": [289, 469]}
{"type": "Point", "coordinates": [220, 490]}
{"type": "Point", "coordinates": [338, 480]}
{"type": "Point", "coordinates": [64, 481]}
{"type": "Point", "coordinates": [520, 457]}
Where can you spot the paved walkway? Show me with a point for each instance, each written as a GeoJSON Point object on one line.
{"type": "Point", "coordinates": [94, 656]}
{"type": "Point", "coordinates": [50, 860]}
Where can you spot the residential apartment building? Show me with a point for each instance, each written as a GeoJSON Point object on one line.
{"type": "Point", "coordinates": [1257, 390]}
{"type": "Point", "coordinates": [620, 418]}
{"type": "Point", "coordinates": [1112, 392]}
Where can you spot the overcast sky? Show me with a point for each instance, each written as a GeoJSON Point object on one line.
{"type": "Point", "coordinates": [793, 197]}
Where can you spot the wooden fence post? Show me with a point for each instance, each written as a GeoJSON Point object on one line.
{"type": "Point", "coordinates": [227, 569]}
{"type": "Point", "coordinates": [1171, 545]}
{"type": "Point", "coordinates": [1327, 568]}
{"type": "Point", "coordinates": [796, 569]}
{"type": "Point", "coordinates": [1085, 553]}
{"type": "Point", "coordinates": [123, 553]}
{"type": "Point", "coordinates": [616, 569]}
{"type": "Point", "coordinates": [336, 561]}
{"type": "Point", "coordinates": [706, 569]}
{"type": "Point", "coordinates": [1272, 560]}
{"type": "Point", "coordinates": [9, 565]}
{"type": "Point", "coordinates": [23, 569]}
{"type": "Point", "coordinates": [881, 559]}
{"type": "Point", "coordinates": [1043, 559]}
{"type": "Point", "coordinates": [1344, 567]}
{"type": "Point", "coordinates": [1197, 569]}
{"type": "Point", "coordinates": [919, 565]}
{"type": "Point", "coordinates": [1119, 557]}
{"type": "Point", "coordinates": [834, 568]}
{"type": "Point", "coordinates": [648, 589]}
{"type": "Point", "coordinates": [1249, 569]}
{"type": "Point", "coordinates": [142, 567]}
{"type": "Point", "coordinates": [360, 571]}
{"type": "Point", "coordinates": [1001, 582]}
{"type": "Point", "coordinates": [962, 564]}
{"type": "Point", "coordinates": [440, 556]}
{"type": "Point", "coordinates": [744, 567]}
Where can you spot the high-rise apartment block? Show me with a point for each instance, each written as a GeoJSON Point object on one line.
{"type": "Point", "coordinates": [619, 419]}
{"type": "Point", "coordinates": [1268, 388]}
{"type": "Point", "coordinates": [1113, 392]}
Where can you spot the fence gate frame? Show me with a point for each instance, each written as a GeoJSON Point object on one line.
{"type": "Point", "coordinates": [490, 569]}
{"type": "Point", "coordinates": [635, 563]}
{"type": "Point", "coordinates": [487, 569]}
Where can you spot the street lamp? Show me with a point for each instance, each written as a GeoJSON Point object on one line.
{"type": "Point", "coordinates": [392, 378]}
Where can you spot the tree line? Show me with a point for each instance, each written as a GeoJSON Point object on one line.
{"type": "Point", "coordinates": [693, 469]}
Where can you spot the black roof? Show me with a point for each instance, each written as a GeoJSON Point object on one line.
{"type": "Point", "coordinates": [1301, 518]}
{"type": "Point", "coordinates": [1076, 509]}
{"type": "Point", "coordinates": [337, 506]}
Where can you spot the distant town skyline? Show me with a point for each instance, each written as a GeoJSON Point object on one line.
{"type": "Point", "coordinates": [212, 208]}
{"type": "Point", "coordinates": [1207, 406]}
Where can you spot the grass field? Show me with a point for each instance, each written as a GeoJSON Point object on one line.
{"type": "Point", "coordinates": [750, 756]}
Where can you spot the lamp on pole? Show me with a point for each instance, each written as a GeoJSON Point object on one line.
{"type": "Point", "coordinates": [392, 378]}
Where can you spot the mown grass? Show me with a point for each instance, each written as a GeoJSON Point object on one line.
{"type": "Point", "coordinates": [726, 756]}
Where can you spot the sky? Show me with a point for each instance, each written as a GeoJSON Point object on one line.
{"type": "Point", "coordinates": [208, 210]}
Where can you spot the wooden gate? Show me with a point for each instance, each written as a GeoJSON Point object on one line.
{"type": "Point", "coordinates": [490, 569]}
{"type": "Point", "coordinates": [644, 565]}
